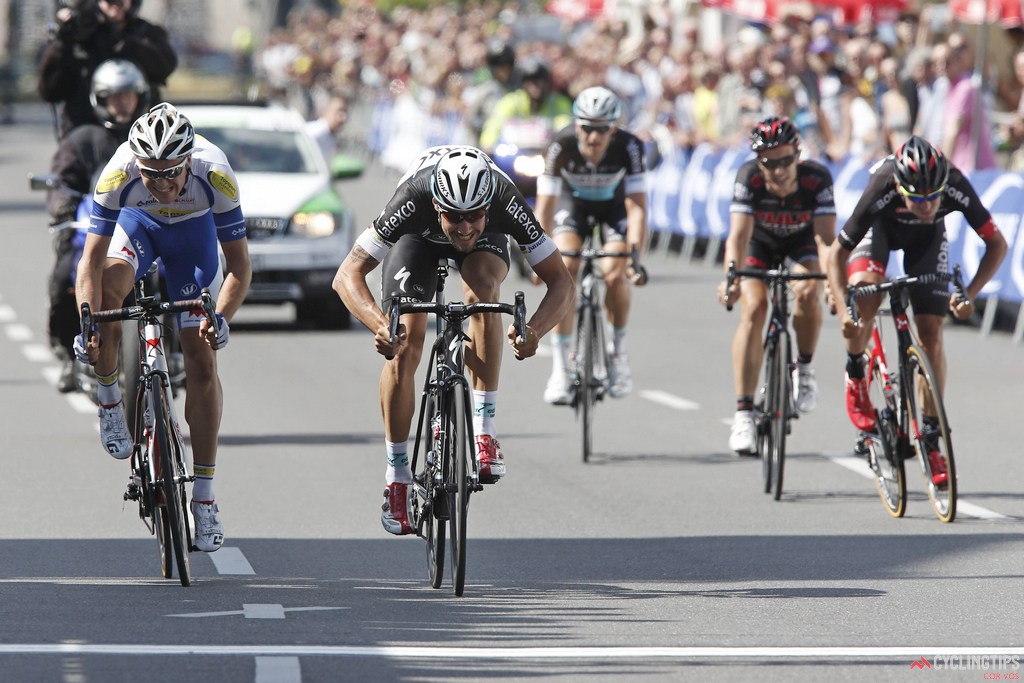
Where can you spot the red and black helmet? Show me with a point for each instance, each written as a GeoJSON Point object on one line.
{"type": "Point", "coordinates": [773, 131]}
{"type": "Point", "coordinates": [920, 168]}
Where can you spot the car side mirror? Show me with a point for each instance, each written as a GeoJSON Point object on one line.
{"type": "Point", "coordinates": [344, 166]}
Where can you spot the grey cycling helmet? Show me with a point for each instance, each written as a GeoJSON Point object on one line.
{"type": "Point", "coordinates": [117, 76]}
{"type": "Point", "coordinates": [462, 180]}
{"type": "Point", "coordinates": [162, 133]}
{"type": "Point", "coordinates": [920, 168]}
{"type": "Point", "coordinates": [597, 104]}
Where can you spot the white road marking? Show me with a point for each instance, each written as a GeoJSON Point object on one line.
{"type": "Point", "coordinates": [261, 611]}
{"type": "Point", "coordinates": [257, 611]}
{"type": "Point", "coordinates": [7, 314]}
{"type": "Point", "coordinates": [670, 400]}
{"type": "Point", "coordinates": [37, 353]}
{"type": "Point", "coordinates": [860, 466]}
{"type": "Point", "coordinates": [83, 404]}
{"type": "Point", "coordinates": [278, 670]}
{"type": "Point", "coordinates": [18, 332]}
{"type": "Point", "coordinates": [230, 560]}
{"type": "Point", "coordinates": [825, 653]}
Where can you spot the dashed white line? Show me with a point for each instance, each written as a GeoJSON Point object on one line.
{"type": "Point", "coordinates": [18, 332]}
{"type": "Point", "coordinates": [231, 561]}
{"type": "Point", "coordinates": [7, 314]}
{"type": "Point", "coordinates": [37, 353]}
{"type": "Point", "coordinates": [670, 400]}
{"type": "Point", "coordinates": [278, 670]}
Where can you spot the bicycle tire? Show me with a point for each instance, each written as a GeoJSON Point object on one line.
{"type": "Point", "coordinates": [433, 496]}
{"type": "Point", "coordinates": [170, 484]}
{"type": "Point", "coordinates": [766, 435]}
{"type": "Point", "coordinates": [129, 363]}
{"type": "Point", "coordinates": [884, 458]}
{"type": "Point", "coordinates": [587, 392]}
{"type": "Point", "coordinates": [780, 413]}
{"type": "Point", "coordinates": [926, 388]}
{"type": "Point", "coordinates": [460, 449]}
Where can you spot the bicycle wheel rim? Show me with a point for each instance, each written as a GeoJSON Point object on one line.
{"type": "Point", "coordinates": [587, 389]}
{"type": "Point", "coordinates": [766, 436]}
{"type": "Point", "coordinates": [428, 524]}
{"type": "Point", "coordinates": [173, 500]}
{"type": "Point", "coordinates": [779, 414]}
{"type": "Point", "coordinates": [461, 447]}
{"type": "Point", "coordinates": [921, 393]}
{"type": "Point", "coordinates": [883, 454]}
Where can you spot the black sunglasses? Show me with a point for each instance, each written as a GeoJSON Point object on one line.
{"type": "Point", "coordinates": [781, 162]}
{"type": "Point", "coordinates": [169, 173]}
{"type": "Point", "coordinates": [594, 129]}
{"type": "Point", "coordinates": [455, 217]}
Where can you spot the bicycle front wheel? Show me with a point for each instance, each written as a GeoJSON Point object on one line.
{"type": "Point", "coordinates": [587, 359]}
{"type": "Point", "coordinates": [431, 497]}
{"type": "Point", "coordinates": [884, 457]}
{"type": "Point", "coordinates": [460, 449]}
{"type": "Point", "coordinates": [934, 451]}
{"type": "Point", "coordinates": [171, 484]}
{"type": "Point", "coordinates": [778, 416]}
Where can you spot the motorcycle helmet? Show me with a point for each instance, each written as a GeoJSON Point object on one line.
{"type": "Point", "coordinates": [162, 133]}
{"type": "Point", "coordinates": [500, 53]}
{"type": "Point", "coordinates": [534, 69]}
{"type": "Point", "coordinates": [462, 180]}
{"type": "Point", "coordinates": [116, 76]}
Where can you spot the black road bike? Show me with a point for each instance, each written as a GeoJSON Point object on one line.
{"type": "Point", "coordinates": [901, 397]}
{"type": "Point", "coordinates": [776, 403]}
{"type": "Point", "coordinates": [160, 463]}
{"type": "Point", "coordinates": [444, 465]}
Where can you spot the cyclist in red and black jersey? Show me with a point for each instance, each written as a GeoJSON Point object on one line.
{"type": "Point", "coordinates": [904, 207]}
{"type": "Point", "coordinates": [595, 176]}
{"type": "Point", "coordinates": [782, 208]}
{"type": "Point", "coordinates": [453, 203]}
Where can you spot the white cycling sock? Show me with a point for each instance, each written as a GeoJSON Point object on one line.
{"type": "Point", "coordinates": [202, 489]}
{"type": "Point", "coordinates": [618, 340]}
{"type": "Point", "coordinates": [108, 391]}
{"type": "Point", "coordinates": [398, 463]}
{"type": "Point", "coordinates": [560, 352]}
{"type": "Point", "coordinates": [484, 403]}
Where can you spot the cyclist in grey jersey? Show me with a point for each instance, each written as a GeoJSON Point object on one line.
{"type": "Point", "coordinates": [452, 203]}
{"type": "Point", "coordinates": [595, 175]}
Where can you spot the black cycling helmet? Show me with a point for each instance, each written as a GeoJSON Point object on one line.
{"type": "Point", "coordinates": [534, 69]}
{"type": "Point", "coordinates": [772, 132]}
{"type": "Point", "coordinates": [920, 168]}
{"type": "Point", "coordinates": [500, 53]}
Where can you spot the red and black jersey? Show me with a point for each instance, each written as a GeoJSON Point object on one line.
{"type": "Point", "coordinates": [782, 217]}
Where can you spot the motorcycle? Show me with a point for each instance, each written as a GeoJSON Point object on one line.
{"type": "Point", "coordinates": [68, 244]}
{"type": "Point", "coordinates": [520, 152]}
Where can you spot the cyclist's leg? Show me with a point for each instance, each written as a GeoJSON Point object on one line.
{"type": "Point", "coordinates": [617, 301]}
{"type": "Point", "coordinates": [866, 266]}
{"type": "Point", "coordinates": [806, 319]}
{"type": "Point", "coordinates": [748, 350]}
{"type": "Point", "coordinates": [929, 302]}
{"type": "Point", "coordinates": [567, 236]}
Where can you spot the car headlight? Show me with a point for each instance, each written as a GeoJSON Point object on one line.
{"type": "Point", "coordinates": [313, 224]}
{"type": "Point", "coordinates": [529, 166]}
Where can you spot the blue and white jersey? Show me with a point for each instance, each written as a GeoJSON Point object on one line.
{"type": "Point", "coordinates": [621, 172]}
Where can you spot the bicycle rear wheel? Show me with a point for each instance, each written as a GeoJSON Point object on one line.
{"type": "Point", "coordinates": [779, 414]}
{"type": "Point", "coordinates": [924, 398]}
{"type": "Point", "coordinates": [766, 433]}
{"type": "Point", "coordinates": [431, 499]}
{"type": "Point", "coordinates": [171, 484]}
{"type": "Point", "coordinates": [588, 359]}
{"type": "Point", "coordinates": [460, 449]}
{"type": "Point", "coordinates": [884, 458]}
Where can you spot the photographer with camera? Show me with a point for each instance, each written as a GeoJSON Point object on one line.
{"type": "Point", "coordinates": [89, 32]}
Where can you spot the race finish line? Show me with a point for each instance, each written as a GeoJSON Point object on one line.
{"type": "Point", "coordinates": [583, 653]}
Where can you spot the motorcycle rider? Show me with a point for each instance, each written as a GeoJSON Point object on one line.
{"type": "Point", "coordinates": [536, 98]}
{"type": "Point", "coordinates": [501, 64]}
{"type": "Point", "coordinates": [119, 94]}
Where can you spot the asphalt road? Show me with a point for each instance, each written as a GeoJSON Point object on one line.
{"type": "Point", "coordinates": [661, 560]}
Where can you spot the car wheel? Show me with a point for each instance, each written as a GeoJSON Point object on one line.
{"type": "Point", "coordinates": [326, 313]}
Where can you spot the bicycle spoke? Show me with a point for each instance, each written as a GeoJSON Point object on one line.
{"type": "Point", "coordinates": [882, 447]}
{"type": "Point", "coordinates": [934, 451]}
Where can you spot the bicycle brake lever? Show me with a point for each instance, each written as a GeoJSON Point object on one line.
{"type": "Point", "coordinates": [519, 319]}
{"type": "Point", "coordinates": [394, 317]}
{"type": "Point", "coordinates": [730, 278]}
{"type": "Point", "coordinates": [958, 286]}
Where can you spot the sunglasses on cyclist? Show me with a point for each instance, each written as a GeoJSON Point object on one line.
{"type": "Point", "coordinates": [920, 198]}
{"type": "Point", "coordinates": [169, 173]}
{"type": "Point", "coordinates": [587, 128]}
{"type": "Point", "coordinates": [781, 162]}
{"type": "Point", "coordinates": [455, 217]}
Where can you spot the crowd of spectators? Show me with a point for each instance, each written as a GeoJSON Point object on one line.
{"type": "Point", "coordinates": [852, 90]}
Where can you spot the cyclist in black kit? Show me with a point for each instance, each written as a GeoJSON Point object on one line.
{"type": "Point", "coordinates": [454, 203]}
{"type": "Point", "coordinates": [782, 208]}
{"type": "Point", "coordinates": [594, 174]}
{"type": "Point", "coordinates": [904, 207]}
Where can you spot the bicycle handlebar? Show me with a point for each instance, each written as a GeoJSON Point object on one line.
{"type": "Point", "coordinates": [770, 275]}
{"type": "Point", "coordinates": [854, 292]}
{"type": "Point", "coordinates": [456, 312]}
{"type": "Point", "coordinates": [150, 307]}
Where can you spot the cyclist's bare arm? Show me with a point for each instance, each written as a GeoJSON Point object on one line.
{"type": "Point", "coordinates": [350, 284]}
{"type": "Point", "coordinates": [636, 232]}
{"type": "Point", "coordinates": [236, 279]}
{"type": "Point", "coordinates": [741, 227]}
{"type": "Point", "coordinates": [995, 252]}
{"type": "Point", "coordinates": [89, 281]}
{"type": "Point", "coordinates": [558, 300]}
{"type": "Point", "coordinates": [545, 211]}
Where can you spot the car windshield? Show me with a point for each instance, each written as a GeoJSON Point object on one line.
{"type": "Point", "coordinates": [263, 151]}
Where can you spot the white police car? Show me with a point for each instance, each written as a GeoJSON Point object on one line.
{"type": "Point", "coordinates": [298, 226]}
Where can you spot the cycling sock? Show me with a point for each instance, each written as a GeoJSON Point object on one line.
{"type": "Point", "coordinates": [484, 403]}
{"type": "Point", "coordinates": [744, 404]}
{"type": "Point", "coordinates": [108, 391]}
{"type": "Point", "coordinates": [618, 340]}
{"type": "Point", "coordinates": [855, 366]}
{"type": "Point", "coordinates": [804, 358]}
{"type": "Point", "coordinates": [560, 352]}
{"type": "Point", "coordinates": [202, 489]}
{"type": "Point", "coordinates": [398, 463]}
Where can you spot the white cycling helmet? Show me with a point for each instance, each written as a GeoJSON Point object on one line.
{"type": "Point", "coordinates": [162, 133]}
{"type": "Point", "coordinates": [117, 76]}
{"type": "Point", "coordinates": [597, 104]}
{"type": "Point", "coordinates": [462, 180]}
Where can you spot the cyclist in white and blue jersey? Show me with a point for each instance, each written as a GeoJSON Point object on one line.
{"type": "Point", "coordinates": [595, 174]}
{"type": "Point", "coordinates": [170, 194]}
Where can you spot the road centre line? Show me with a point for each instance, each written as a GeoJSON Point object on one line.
{"type": "Point", "coordinates": [859, 466]}
{"type": "Point", "coordinates": [823, 653]}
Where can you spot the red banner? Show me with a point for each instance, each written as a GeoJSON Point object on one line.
{"type": "Point", "coordinates": [1006, 12]}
